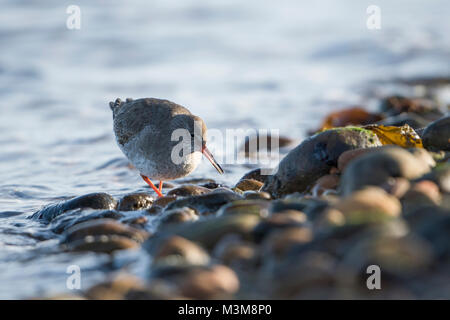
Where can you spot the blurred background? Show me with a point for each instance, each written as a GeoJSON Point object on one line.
{"type": "Point", "coordinates": [237, 64]}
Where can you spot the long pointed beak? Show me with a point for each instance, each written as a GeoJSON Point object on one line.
{"type": "Point", "coordinates": [211, 159]}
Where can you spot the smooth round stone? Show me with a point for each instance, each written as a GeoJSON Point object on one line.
{"type": "Point", "coordinates": [188, 190]}
{"type": "Point", "coordinates": [103, 244]}
{"type": "Point", "coordinates": [277, 221]}
{"type": "Point", "coordinates": [236, 253]}
{"type": "Point", "coordinates": [103, 227]}
{"type": "Point", "coordinates": [441, 176]}
{"type": "Point", "coordinates": [135, 201]}
{"type": "Point", "coordinates": [324, 183]}
{"type": "Point", "coordinates": [437, 135]}
{"type": "Point", "coordinates": [436, 230]}
{"type": "Point", "coordinates": [92, 201]}
{"type": "Point", "coordinates": [206, 203]}
{"type": "Point", "coordinates": [423, 193]}
{"type": "Point", "coordinates": [179, 215]}
{"type": "Point", "coordinates": [249, 184]}
{"type": "Point", "coordinates": [216, 282]}
{"type": "Point", "coordinates": [256, 195]}
{"type": "Point", "coordinates": [300, 273]}
{"type": "Point", "coordinates": [115, 289]}
{"type": "Point", "coordinates": [255, 174]}
{"type": "Point", "coordinates": [398, 258]}
{"type": "Point", "coordinates": [164, 201]}
{"type": "Point", "coordinates": [279, 242]}
{"type": "Point", "coordinates": [330, 218]}
{"type": "Point", "coordinates": [369, 205]}
{"type": "Point", "coordinates": [314, 158]}
{"type": "Point", "coordinates": [209, 231]}
{"type": "Point", "coordinates": [378, 166]}
{"type": "Point", "coordinates": [178, 248]}
{"type": "Point", "coordinates": [257, 207]}
{"type": "Point", "coordinates": [74, 217]}
{"type": "Point", "coordinates": [348, 156]}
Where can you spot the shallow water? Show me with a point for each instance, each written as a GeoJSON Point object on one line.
{"type": "Point", "coordinates": [276, 65]}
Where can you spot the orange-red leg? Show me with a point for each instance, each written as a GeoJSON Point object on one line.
{"type": "Point", "coordinates": [160, 186]}
{"type": "Point", "coordinates": [158, 192]}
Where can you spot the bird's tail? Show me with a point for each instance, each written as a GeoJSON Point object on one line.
{"type": "Point", "coordinates": [117, 104]}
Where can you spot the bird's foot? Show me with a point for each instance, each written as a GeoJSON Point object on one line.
{"type": "Point", "coordinates": [158, 191]}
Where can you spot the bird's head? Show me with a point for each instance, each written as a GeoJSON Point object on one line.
{"type": "Point", "coordinates": [193, 134]}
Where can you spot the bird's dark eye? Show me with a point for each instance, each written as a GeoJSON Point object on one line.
{"type": "Point", "coordinates": [192, 135]}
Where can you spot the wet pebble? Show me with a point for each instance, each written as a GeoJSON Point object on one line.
{"type": "Point", "coordinates": [256, 195]}
{"type": "Point", "coordinates": [176, 249]}
{"type": "Point", "coordinates": [215, 282]}
{"type": "Point", "coordinates": [188, 190]}
{"type": "Point", "coordinates": [249, 184]}
{"type": "Point", "coordinates": [92, 201]}
{"type": "Point", "coordinates": [256, 207]}
{"type": "Point", "coordinates": [378, 166]}
{"type": "Point", "coordinates": [164, 201]}
{"type": "Point", "coordinates": [135, 201]}
{"type": "Point", "coordinates": [436, 135]}
{"type": "Point", "coordinates": [371, 204]}
{"type": "Point", "coordinates": [255, 174]}
{"type": "Point", "coordinates": [179, 215]}
{"type": "Point", "coordinates": [206, 203]}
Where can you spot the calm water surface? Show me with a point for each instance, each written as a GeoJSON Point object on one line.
{"type": "Point", "coordinates": [237, 64]}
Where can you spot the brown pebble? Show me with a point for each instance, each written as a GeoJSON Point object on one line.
{"type": "Point", "coordinates": [190, 252]}
{"type": "Point", "coordinates": [164, 201]}
{"type": "Point", "coordinates": [211, 283]}
{"type": "Point", "coordinates": [249, 184]}
{"type": "Point", "coordinates": [324, 183]}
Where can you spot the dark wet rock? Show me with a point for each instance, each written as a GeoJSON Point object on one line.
{"type": "Point", "coordinates": [249, 184]}
{"type": "Point", "coordinates": [212, 185]}
{"type": "Point", "coordinates": [437, 232]}
{"type": "Point", "coordinates": [154, 210]}
{"type": "Point", "coordinates": [206, 203]}
{"type": "Point", "coordinates": [136, 220]}
{"type": "Point", "coordinates": [103, 227]}
{"type": "Point", "coordinates": [424, 214]}
{"type": "Point", "coordinates": [188, 190]}
{"type": "Point", "coordinates": [256, 195]}
{"type": "Point", "coordinates": [436, 135]}
{"type": "Point", "coordinates": [93, 201]}
{"type": "Point", "coordinates": [164, 201]}
{"type": "Point", "coordinates": [257, 207]}
{"type": "Point", "coordinates": [413, 120]}
{"type": "Point", "coordinates": [314, 158]}
{"type": "Point", "coordinates": [179, 249]}
{"type": "Point", "coordinates": [179, 215]}
{"type": "Point", "coordinates": [255, 174]}
{"type": "Point", "coordinates": [74, 217]}
{"type": "Point", "coordinates": [209, 231]}
{"type": "Point", "coordinates": [135, 201]}
{"type": "Point", "coordinates": [377, 167]}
